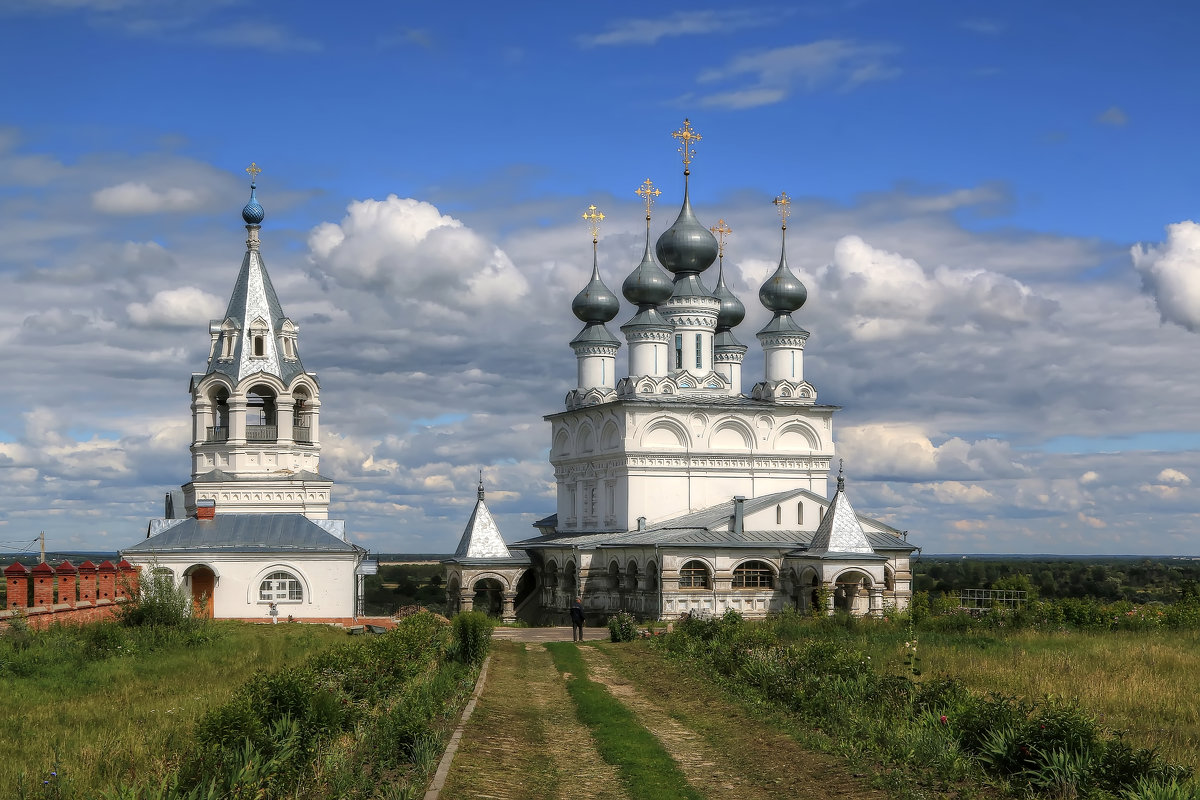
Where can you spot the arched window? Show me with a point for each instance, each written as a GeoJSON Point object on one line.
{"type": "Point", "coordinates": [631, 574]}
{"type": "Point", "coordinates": [754, 575]}
{"type": "Point", "coordinates": [694, 575]}
{"type": "Point", "coordinates": [778, 515]}
{"type": "Point", "coordinates": [280, 587]}
{"type": "Point", "coordinates": [799, 513]}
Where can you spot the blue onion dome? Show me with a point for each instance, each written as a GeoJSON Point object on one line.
{"type": "Point", "coordinates": [687, 246]}
{"type": "Point", "coordinates": [783, 292]}
{"type": "Point", "coordinates": [647, 285]}
{"type": "Point", "coordinates": [732, 311]}
{"type": "Point", "coordinates": [253, 212]}
{"type": "Point", "coordinates": [596, 303]}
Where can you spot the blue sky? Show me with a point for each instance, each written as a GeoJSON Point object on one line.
{"type": "Point", "coordinates": [982, 194]}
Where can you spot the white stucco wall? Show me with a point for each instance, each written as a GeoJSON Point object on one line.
{"type": "Point", "coordinates": [329, 582]}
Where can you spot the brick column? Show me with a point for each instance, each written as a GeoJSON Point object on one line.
{"type": "Point", "coordinates": [106, 581]}
{"type": "Point", "coordinates": [127, 583]}
{"type": "Point", "coordinates": [68, 576]}
{"type": "Point", "coordinates": [43, 585]}
{"type": "Point", "coordinates": [17, 576]}
{"type": "Point", "coordinates": [87, 583]}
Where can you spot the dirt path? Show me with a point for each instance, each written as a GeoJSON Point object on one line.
{"type": "Point", "coordinates": [724, 753]}
{"type": "Point", "coordinates": [523, 741]}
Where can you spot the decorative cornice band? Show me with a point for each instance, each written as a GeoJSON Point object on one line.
{"type": "Point", "coordinates": [609, 350]}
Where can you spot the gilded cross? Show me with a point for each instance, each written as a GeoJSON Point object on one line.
{"type": "Point", "coordinates": [686, 136]}
{"type": "Point", "coordinates": [253, 171]}
{"type": "Point", "coordinates": [784, 203]}
{"type": "Point", "coordinates": [647, 192]}
{"type": "Point", "coordinates": [593, 217]}
{"type": "Point", "coordinates": [721, 230]}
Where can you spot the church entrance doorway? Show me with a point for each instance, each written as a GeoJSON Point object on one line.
{"type": "Point", "coordinates": [526, 589]}
{"type": "Point", "coordinates": [489, 597]}
{"type": "Point", "coordinates": [203, 582]}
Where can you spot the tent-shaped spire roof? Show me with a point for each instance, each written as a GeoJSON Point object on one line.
{"type": "Point", "coordinates": [253, 310]}
{"type": "Point", "coordinates": [840, 531]}
{"type": "Point", "coordinates": [482, 538]}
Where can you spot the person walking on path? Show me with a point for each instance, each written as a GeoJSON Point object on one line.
{"type": "Point", "coordinates": [577, 620]}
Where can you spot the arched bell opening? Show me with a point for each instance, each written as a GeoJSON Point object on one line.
{"type": "Point", "coordinates": [302, 410]}
{"type": "Point", "coordinates": [218, 430]}
{"type": "Point", "coordinates": [262, 423]}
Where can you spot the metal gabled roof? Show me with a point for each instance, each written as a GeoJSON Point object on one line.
{"type": "Point", "coordinates": [708, 527]}
{"type": "Point", "coordinates": [244, 533]}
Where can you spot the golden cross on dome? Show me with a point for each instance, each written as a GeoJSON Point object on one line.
{"type": "Point", "coordinates": [253, 171]}
{"type": "Point", "coordinates": [721, 230]}
{"type": "Point", "coordinates": [593, 216]}
{"type": "Point", "coordinates": [784, 203]}
{"type": "Point", "coordinates": [647, 192]}
{"type": "Point", "coordinates": [686, 136]}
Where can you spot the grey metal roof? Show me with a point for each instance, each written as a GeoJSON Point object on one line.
{"type": "Point", "coordinates": [697, 528]}
{"type": "Point", "coordinates": [840, 531]}
{"type": "Point", "coordinates": [254, 297]}
{"type": "Point", "coordinates": [481, 538]}
{"type": "Point", "coordinates": [245, 533]}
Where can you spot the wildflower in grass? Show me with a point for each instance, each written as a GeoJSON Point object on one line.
{"type": "Point", "coordinates": [942, 719]}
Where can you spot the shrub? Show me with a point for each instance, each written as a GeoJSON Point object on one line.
{"type": "Point", "coordinates": [159, 602]}
{"type": "Point", "coordinates": [622, 627]}
{"type": "Point", "coordinates": [472, 636]}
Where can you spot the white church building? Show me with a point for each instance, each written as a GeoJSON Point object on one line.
{"type": "Point", "coordinates": [251, 529]}
{"type": "Point", "coordinates": [678, 492]}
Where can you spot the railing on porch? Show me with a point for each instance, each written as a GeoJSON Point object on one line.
{"type": "Point", "coordinates": [217, 434]}
{"type": "Point", "coordinates": [301, 434]}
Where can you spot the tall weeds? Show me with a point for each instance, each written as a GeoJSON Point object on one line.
{"type": "Point", "coordinates": [938, 731]}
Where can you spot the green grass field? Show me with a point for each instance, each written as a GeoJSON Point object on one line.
{"type": "Point", "coordinates": [125, 717]}
{"type": "Point", "coordinates": [1143, 682]}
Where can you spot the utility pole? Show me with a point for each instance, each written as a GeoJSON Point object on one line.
{"type": "Point", "coordinates": [42, 538]}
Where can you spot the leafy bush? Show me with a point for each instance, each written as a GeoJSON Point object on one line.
{"type": "Point", "coordinates": [622, 627]}
{"type": "Point", "coordinates": [472, 636]}
{"type": "Point", "coordinates": [159, 601]}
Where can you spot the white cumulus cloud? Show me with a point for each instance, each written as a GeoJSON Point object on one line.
{"type": "Point", "coordinates": [408, 245]}
{"type": "Point", "coordinates": [139, 198]}
{"type": "Point", "coordinates": [185, 307]}
{"type": "Point", "coordinates": [887, 296]}
{"type": "Point", "coordinates": [1171, 274]}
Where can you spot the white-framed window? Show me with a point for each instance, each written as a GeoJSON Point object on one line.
{"type": "Point", "coordinates": [280, 587]}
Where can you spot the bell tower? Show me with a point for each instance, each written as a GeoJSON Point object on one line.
{"type": "Point", "coordinates": [256, 441]}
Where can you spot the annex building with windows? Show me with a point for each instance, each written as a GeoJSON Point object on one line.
{"type": "Point", "coordinates": [251, 528]}
{"type": "Point", "coordinates": [678, 492]}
